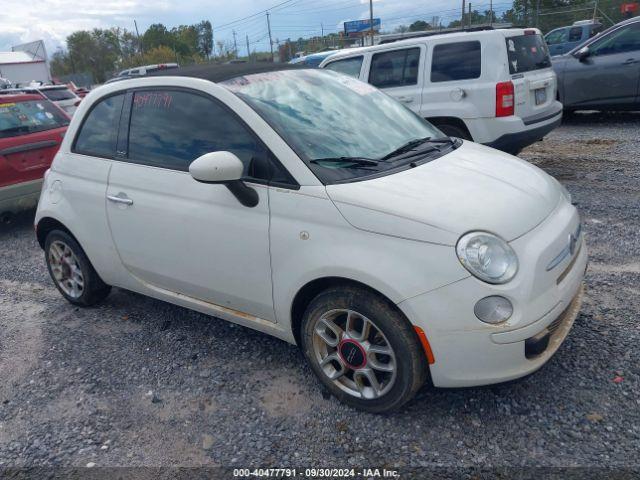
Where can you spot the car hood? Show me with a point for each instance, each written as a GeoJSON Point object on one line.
{"type": "Point", "coordinates": [472, 188]}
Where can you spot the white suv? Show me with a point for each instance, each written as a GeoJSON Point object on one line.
{"type": "Point", "coordinates": [257, 194]}
{"type": "Point", "coordinates": [495, 87]}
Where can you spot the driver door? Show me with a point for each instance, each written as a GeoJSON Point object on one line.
{"type": "Point", "coordinates": [175, 233]}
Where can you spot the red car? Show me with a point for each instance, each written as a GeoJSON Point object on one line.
{"type": "Point", "coordinates": [31, 129]}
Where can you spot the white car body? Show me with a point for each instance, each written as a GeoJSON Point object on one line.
{"type": "Point", "coordinates": [471, 103]}
{"type": "Point", "coordinates": [395, 234]}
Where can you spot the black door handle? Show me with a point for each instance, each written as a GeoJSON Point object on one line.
{"type": "Point", "coordinates": [630, 61]}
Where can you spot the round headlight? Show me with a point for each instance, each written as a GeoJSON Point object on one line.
{"type": "Point", "coordinates": [487, 257]}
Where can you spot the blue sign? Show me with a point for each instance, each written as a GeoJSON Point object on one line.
{"type": "Point", "coordinates": [358, 26]}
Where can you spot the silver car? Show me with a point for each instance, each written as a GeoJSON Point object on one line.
{"type": "Point", "coordinates": [604, 72]}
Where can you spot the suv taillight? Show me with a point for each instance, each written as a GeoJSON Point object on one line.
{"type": "Point", "coordinates": [504, 99]}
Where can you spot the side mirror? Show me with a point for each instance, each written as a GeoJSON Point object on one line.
{"type": "Point", "coordinates": [224, 168]}
{"type": "Point", "coordinates": [583, 53]}
{"type": "Point", "coordinates": [216, 167]}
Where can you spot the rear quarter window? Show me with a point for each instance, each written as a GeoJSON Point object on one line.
{"type": "Point", "coordinates": [98, 133]}
{"type": "Point", "coordinates": [456, 61]}
{"type": "Point", "coordinates": [527, 53]}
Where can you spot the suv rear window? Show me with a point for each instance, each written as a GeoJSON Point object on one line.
{"type": "Point", "coordinates": [21, 118]}
{"type": "Point", "coordinates": [527, 53]}
{"type": "Point", "coordinates": [57, 94]}
{"type": "Point", "coordinates": [456, 61]}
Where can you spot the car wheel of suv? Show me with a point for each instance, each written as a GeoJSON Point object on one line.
{"type": "Point", "coordinates": [72, 272]}
{"type": "Point", "coordinates": [454, 131]}
{"type": "Point", "coordinates": [362, 349]}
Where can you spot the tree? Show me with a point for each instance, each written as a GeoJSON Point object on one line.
{"type": "Point", "coordinates": [157, 35]}
{"type": "Point", "coordinates": [161, 54]}
{"type": "Point", "coordinates": [185, 40]}
{"type": "Point", "coordinates": [419, 26]}
{"type": "Point", "coordinates": [205, 38]}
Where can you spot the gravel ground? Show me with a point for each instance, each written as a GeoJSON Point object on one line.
{"type": "Point", "coordinates": [141, 382]}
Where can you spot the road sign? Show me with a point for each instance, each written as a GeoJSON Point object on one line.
{"type": "Point", "coordinates": [360, 26]}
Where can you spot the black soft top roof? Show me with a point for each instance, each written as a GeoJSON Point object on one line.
{"type": "Point", "coordinates": [220, 73]}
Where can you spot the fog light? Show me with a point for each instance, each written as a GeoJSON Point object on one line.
{"type": "Point", "coordinates": [494, 309]}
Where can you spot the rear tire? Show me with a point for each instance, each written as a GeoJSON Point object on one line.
{"type": "Point", "coordinates": [72, 272]}
{"type": "Point", "coordinates": [364, 351]}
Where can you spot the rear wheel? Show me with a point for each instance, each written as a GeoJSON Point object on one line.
{"type": "Point", "coordinates": [362, 349]}
{"type": "Point", "coordinates": [72, 272]}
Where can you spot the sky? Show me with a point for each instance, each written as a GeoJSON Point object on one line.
{"type": "Point", "coordinates": [52, 20]}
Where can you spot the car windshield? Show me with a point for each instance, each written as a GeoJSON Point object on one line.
{"type": "Point", "coordinates": [527, 53]}
{"type": "Point", "coordinates": [342, 128]}
{"type": "Point", "coordinates": [21, 118]}
{"type": "Point", "coordinates": [57, 94]}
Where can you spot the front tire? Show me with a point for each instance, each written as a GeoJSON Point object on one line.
{"type": "Point", "coordinates": [362, 349]}
{"type": "Point", "coordinates": [72, 272]}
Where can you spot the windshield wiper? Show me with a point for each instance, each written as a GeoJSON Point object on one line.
{"type": "Point", "coordinates": [407, 147]}
{"type": "Point", "coordinates": [413, 144]}
{"type": "Point", "coordinates": [353, 161]}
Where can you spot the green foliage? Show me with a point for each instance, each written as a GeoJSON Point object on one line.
{"type": "Point", "coordinates": [205, 38]}
{"type": "Point", "coordinates": [419, 26]}
{"type": "Point", "coordinates": [104, 52]}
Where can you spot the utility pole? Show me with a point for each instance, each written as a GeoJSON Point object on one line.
{"type": "Point", "coordinates": [491, 13]}
{"type": "Point", "coordinates": [270, 40]}
{"type": "Point", "coordinates": [140, 49]}
{"type": "Point", "coordinates": [464, 7]}
{"type": "Point", "coordinates": [537, 13]}
{"type": "Point", "coordinates": [213, 41]}
{"type": "Point", "coordinates": [469, 14]}
{"type": "Point", "coordinates": [595, 10]}
{"type": "Point", "coordinates": [248, 51]}
{"type": "Point", "coordinates": [322, 32]}
{"type": "Point", "coordinates": [371, 20]}
{"type": "Point", "coordinates": [235, 44]}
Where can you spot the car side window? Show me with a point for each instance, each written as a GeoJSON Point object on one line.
{"type": "Point", "coordinates": [456, 61]}
{"type": "Point", "coordinates": [625, 39]}
{"type": "Point", "coordinates": [171, 128]}
{"type": "Point", "coordinates": [575, 34]}
{"type": "Point", "coordinates": [98, 133]}
{"type": "Point", "coordinates": [557, 36]}
{"type": "Point", "coordinates": [348, 66]}
{"type": "Point", "coordinates": [395, 69]}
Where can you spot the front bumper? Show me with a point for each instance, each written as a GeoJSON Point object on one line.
{"type": "Point", "coordinates": [468, 352]}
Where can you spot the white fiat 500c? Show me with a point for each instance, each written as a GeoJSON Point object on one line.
{"type": "Point", "coordinates": [315, 208]}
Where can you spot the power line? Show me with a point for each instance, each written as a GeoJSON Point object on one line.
{"type": "Point", "coordinates": [224, 25]}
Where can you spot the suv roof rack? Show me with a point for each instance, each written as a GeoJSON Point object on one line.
{"type": "Point", "coordinates": [395, 37]}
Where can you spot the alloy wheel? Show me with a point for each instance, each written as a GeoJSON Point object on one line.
{"type": "Point", "coordinates": [66, 269]}
{"type": "Point", "coordinates": [354, 353]}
